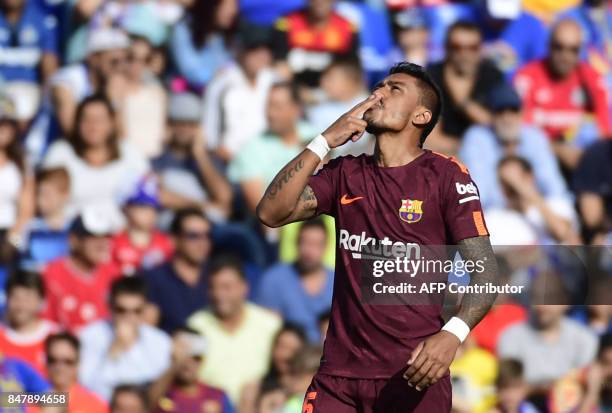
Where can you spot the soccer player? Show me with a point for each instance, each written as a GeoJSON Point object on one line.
{"type": "Point", "coordinates": [402, 193]}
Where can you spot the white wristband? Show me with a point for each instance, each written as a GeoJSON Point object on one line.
{"type": "Point", "coordinates": [319, 146]}
{"type": "Point", "coordinates": [457, 327]}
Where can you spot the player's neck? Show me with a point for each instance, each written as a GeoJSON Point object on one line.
{"type": "Point", "coordinates": [394, 151]}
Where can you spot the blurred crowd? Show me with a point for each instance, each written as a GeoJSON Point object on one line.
{"type": "Point", "coordinates": [137, 137]}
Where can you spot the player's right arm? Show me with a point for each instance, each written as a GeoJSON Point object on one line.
{"type": "Point", "coordinates": [289, 198]}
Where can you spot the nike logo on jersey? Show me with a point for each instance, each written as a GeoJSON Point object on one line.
{"type": "Point", "coordinates": [346, 200]}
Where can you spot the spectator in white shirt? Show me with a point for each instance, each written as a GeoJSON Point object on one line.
{"type": "Point", "coordinates": [235, 100]}
{"type": "Point", "coordinates": [103, 169]}
{"type": "Point", "coordinates": [124, 349]}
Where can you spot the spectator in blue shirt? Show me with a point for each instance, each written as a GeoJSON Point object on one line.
{"type": "Point", "coordinates": [483, 147]}
{"type": "Point", "coordinates": [306, 284]}
{"type": "Point", "coordinates": [198, 44]}
{"type": "Point", "coordinates": [177, 288]}
{"type": "Point", "coordinates": [266, 12]}
{"type": "Point", "coordinates": [28, 39]}
{"type": "Point", "coordinates": [19, 376]}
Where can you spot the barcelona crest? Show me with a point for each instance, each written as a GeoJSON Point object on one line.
{"type": "Point", "coordinates": [411, 210]}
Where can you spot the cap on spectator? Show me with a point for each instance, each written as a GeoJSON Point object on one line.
{"type": "Point", "coordinates": [146, 192]}
{"type": "Point", "coordinates": [93, 221]}
{"type": "Point", "coordinates": [504, 97]}
{"type": "Point", "coordinates": [197, 345]}
{"type": "Point", "coordinates": [107, 39]}
{"type": "Point", "coordinates": [411, 18]}
{"type": "Point", "coordinates": [185, 107]}
{"type": "Point", "coordinates": [25, 97]}
{"type": "Point", "coordinates": [251, 36]}
{"type": "Point", "coordinates": [504, 9]}
{"type": "Point", "coordinates": [142, 21]}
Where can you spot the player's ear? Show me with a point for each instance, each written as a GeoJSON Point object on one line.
{"type": "Point", "coordinates": [422, 117]}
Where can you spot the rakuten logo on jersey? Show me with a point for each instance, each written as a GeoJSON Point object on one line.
{"type": "Point", "coordinates": [364, 246]}
{"type": "Point", "coordinates": [467, 189]}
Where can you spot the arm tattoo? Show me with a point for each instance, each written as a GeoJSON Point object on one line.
{"type": "Point", "coordinates": [283, 177]}
{"type": "Point", "coordinates": [307, 202]}
{"type": "Point", "coordinates": [475, 305]}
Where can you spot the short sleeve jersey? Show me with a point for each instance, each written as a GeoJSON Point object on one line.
{"type": "Point", "coordinates": [429, 201]}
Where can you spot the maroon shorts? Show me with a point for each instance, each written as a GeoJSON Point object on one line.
{"type": "Point", "coordinates": [334, 394]}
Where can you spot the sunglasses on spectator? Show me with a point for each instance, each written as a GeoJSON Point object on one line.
{"type": "Point", "coordinates": [195, 235]}
{"type": "Point", "coordinates": [458, 47]}
{"type": "Point", "coordinates": [560, 47]}
{"type": "Point", "coordinates": [117, 61]}
{"type": "Point", "coordinates": [58, 360]}
{"type": "Point", "coordinates": [126, 310]}
{"type": "Point", "coordinates": [132, 58]}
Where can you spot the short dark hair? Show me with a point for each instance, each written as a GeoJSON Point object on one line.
{"type": "Point", "coordinates": [138, 391]}
{"type": "Point", "coordinates": [461, 25]}
{"type": "Point", "coordinates": [291, 87]}
{"type": "Point", "coordinates": [25, 279]}
{"type": "Point", "coordinates": [524, 163]}
{"type": "Point", "coordinates": [176, 226]}
{"type": "Point", "coordinates": [509, 371]}
{"type": "Point", "coordinates": [431, 97]}
{"type": "Point", "coordinates": [351, 66]}
{"type": "Point", "coordinates": [226, 261]}
{"type": "Point", "coordinates": [63, 336]}
{"type": "Point", "coordinates": [58, 175]}
{"type": "Point", "coordinates": [132, 285]}
{"type": "Point", "coordinates": [316, 223]}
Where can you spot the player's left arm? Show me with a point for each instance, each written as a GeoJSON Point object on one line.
{"type": "Point", "coordinates": [431, 359]}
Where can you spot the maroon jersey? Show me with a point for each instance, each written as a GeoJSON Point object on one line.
{"type": "Point", "coordinates": [430, 201]}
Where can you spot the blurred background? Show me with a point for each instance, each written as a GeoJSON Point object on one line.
{"type": "Point", "coordinates": [136, 138]}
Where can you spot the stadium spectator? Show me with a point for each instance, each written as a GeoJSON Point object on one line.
{"type": "Point", "coordinates": [284, 140]}
{"type": "Point", "coordinates": [343, 84]}
{"type": "Point", "coordinates": [289, 340]}
{"type": "Point", "coordinates": [18, 376]}
{"type": "Point", "coordinates": [77, 284]}
{"type": "Point", "coordinates": [306, 284]}
{"type": "Point", "coordinates": [552, 217]}
{"type": "Point", "coordinates": [188, 176]}
{"type": "Point", "coordinates": [199, 42]}
{"type": "Point", "coordinates": [306, 41]}
{"type": "Point", "coordinates": [465, 79]}
{"type": "Point", "coordinates": [102, 71]}
{"type": "Point", "coordinates": [512, 389]}
{"type": "Point", "coordinates": [124, 349]}
{"type": "Point", "coordinates": [24, 332]}
{"type": "Point", "coordinates": [598, 316]}
{"type": "Point", "coordinates": [179, 388]}
{"type": "Point", "coordinates": [141, 246]}
{"type": "Point", "coordinates": [598, 384]}
{"type": "Point", "coordinates": [473, 373]}
{"type": "Point", "coordinates": [271, 400]}
{"type": "Point", "coordinates": [302, 368]}
{"type": "Point", "coordinates": [483, 146]}
{"type": "Point", "coordinates": [560, 93]}
{"type": "Point", "coordinates": [412, 36]}
{"type": "Point", "coordinates": [228, 324]}
{"type": "Point", "coordinates": [16, 185]}
{"type": "Point", "coordinates": [592, 186]}
{"type": "Point", "coordinates": [144, 104]}
{"type": "Point", "coordinates": [177, 288]}
{"type": "Point", "coordinates": [30, 42]}
{"type": "Point", "coordinates": [102, 168]}
{"type": "Point", "coordinates": [228, 122]}
{"type": "Point", "coordinates": [128, 398]}
{"type": "Point", "coordinates": [62, 357]}
{"type": "Point", "coordinates": [46, 235]}
{"type": "Point", "coordinates": [549, 344]}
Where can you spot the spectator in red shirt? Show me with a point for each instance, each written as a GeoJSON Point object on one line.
{"type": "Point", "coordinates": [62, 366]}
{"type": "Point", "coordinates": [141, 245]}
{"type": "Point", "coordinates": [179, 388]}
{"type": "Point", "coordinates": [560, 91]}
{"type": "Point", "coordinates": [309, 39]}
{"type": "Point", "coordinates": [77, 285]}
{"type": "Point", "coordinates": [24, 332]}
